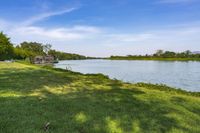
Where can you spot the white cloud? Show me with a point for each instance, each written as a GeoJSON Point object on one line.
{"type": "Point", "coordinates": [72, 33]}
{"type": "Point", "coordinates": [175, 39]}
{"type": "Point", "coordinates": [84, 28]}
{"type": "Point", "coordinates": [130, 37]}
{"type": "Point", "coordinates": [4, 25]}
{"type": "Point", "coordinates": [25, 31]}
{"type": "Point", "coordinates": [45, 15]}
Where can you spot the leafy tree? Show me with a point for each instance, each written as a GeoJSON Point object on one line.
{"type": "Point", "coordinates": [22, 54]}
{"type": "Point", "coordinates": [159, 52]}
{"type": "Point", "coordinates": [47, 48]}
{"type": "Point", "coordinates": [65, 56]}
{"type": "Point", "coordinates": [188, 52]}
{"type": "Point", "coordinates": [169, 54]}
{"type": "Point", "coordinates": [53, 53]}
{"type": "Point", "coordinates": [33, 47]}
{"type": "Point", "coordinates": [6, 48]}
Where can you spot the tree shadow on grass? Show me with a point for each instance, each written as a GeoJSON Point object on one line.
{"type": "Point", "coordinates": [95, 111]}
{"type": "Point", "coordinates": [28, 79]}
{"type": "Point", "coordinates": [193, 108]}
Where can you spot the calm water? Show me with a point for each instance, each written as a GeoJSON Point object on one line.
{"type": "Point", "coordinates": [184, 75]}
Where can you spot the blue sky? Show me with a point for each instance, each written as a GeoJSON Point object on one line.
{"type": "Point", "coordinates": [104, 27]}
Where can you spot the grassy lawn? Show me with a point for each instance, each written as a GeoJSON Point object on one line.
{"type": "Point", "coordinates": [32, 96]}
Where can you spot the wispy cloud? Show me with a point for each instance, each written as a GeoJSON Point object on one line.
{"type": "Point", "coordinates": [65, 34]}
{"type": "Point", "coordinates": [130, 37]}
{"type": "Point", "coordinates": [4, 25]}
{"type": "Point", "coordinates": [175, 39]}
{"type": "Point", "coordinates": [26, 31]}
{"type": "Point", "coordinates": [45, 15]}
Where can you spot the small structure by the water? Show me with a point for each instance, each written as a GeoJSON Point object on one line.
{"type": "Point", "coordinates": [48, 59]}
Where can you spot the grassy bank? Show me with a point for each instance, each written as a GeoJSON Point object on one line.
{"type": "Point", "coordinates": [32, 96]}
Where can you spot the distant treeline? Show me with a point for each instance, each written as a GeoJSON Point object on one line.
{"type": "Point", "coordinates": [28, 50]}
{"type": "Point", "coordinates": [161, 55]}
{"type": "Point", "coordinates": [67, 56]}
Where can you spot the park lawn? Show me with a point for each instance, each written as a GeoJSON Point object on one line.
{"type": "Point", "coordinates": [32, 96]}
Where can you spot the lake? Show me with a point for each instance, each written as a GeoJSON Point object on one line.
{"type": "Point", "coordinates": [184, 75]}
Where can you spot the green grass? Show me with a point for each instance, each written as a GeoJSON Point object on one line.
{"type": "Point", "coordinates": [31, 96]}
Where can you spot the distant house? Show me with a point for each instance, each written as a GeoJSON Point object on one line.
{"type": "Point", "coordinates": [44, 59]}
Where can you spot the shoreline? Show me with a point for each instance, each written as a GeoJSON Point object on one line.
{"type": "Point", "coordinates": [167, 87]}
{"type": "Point", "coordinates": [156, 86]}
{"type": "Point", "coordinates": [131, 75]}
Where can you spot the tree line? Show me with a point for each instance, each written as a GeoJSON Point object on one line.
{"type": "Point", "coordinates": [28, 50]}
{"type": "Point", "coordinates": [161, 55]}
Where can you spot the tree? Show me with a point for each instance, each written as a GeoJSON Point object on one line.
{"type": "Point", "coordinates": [188, 53]}
{"type": "Point", "coordinates": [47, 48]}
{"type": "Point", "coordinates": [6, 48]}
{"type": "Point", "coordinates": [22, 54]}
{"type": "Point", "coordinates": [159, 52]}
{"type": "Point", "coordinates": [65, 56]}
{"type": "Point", "coordinates": [34, 47]}
{"type": "Point", "coordinates": [53, 53]}
{"type": "Point", "coordinates": [169, 54]}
